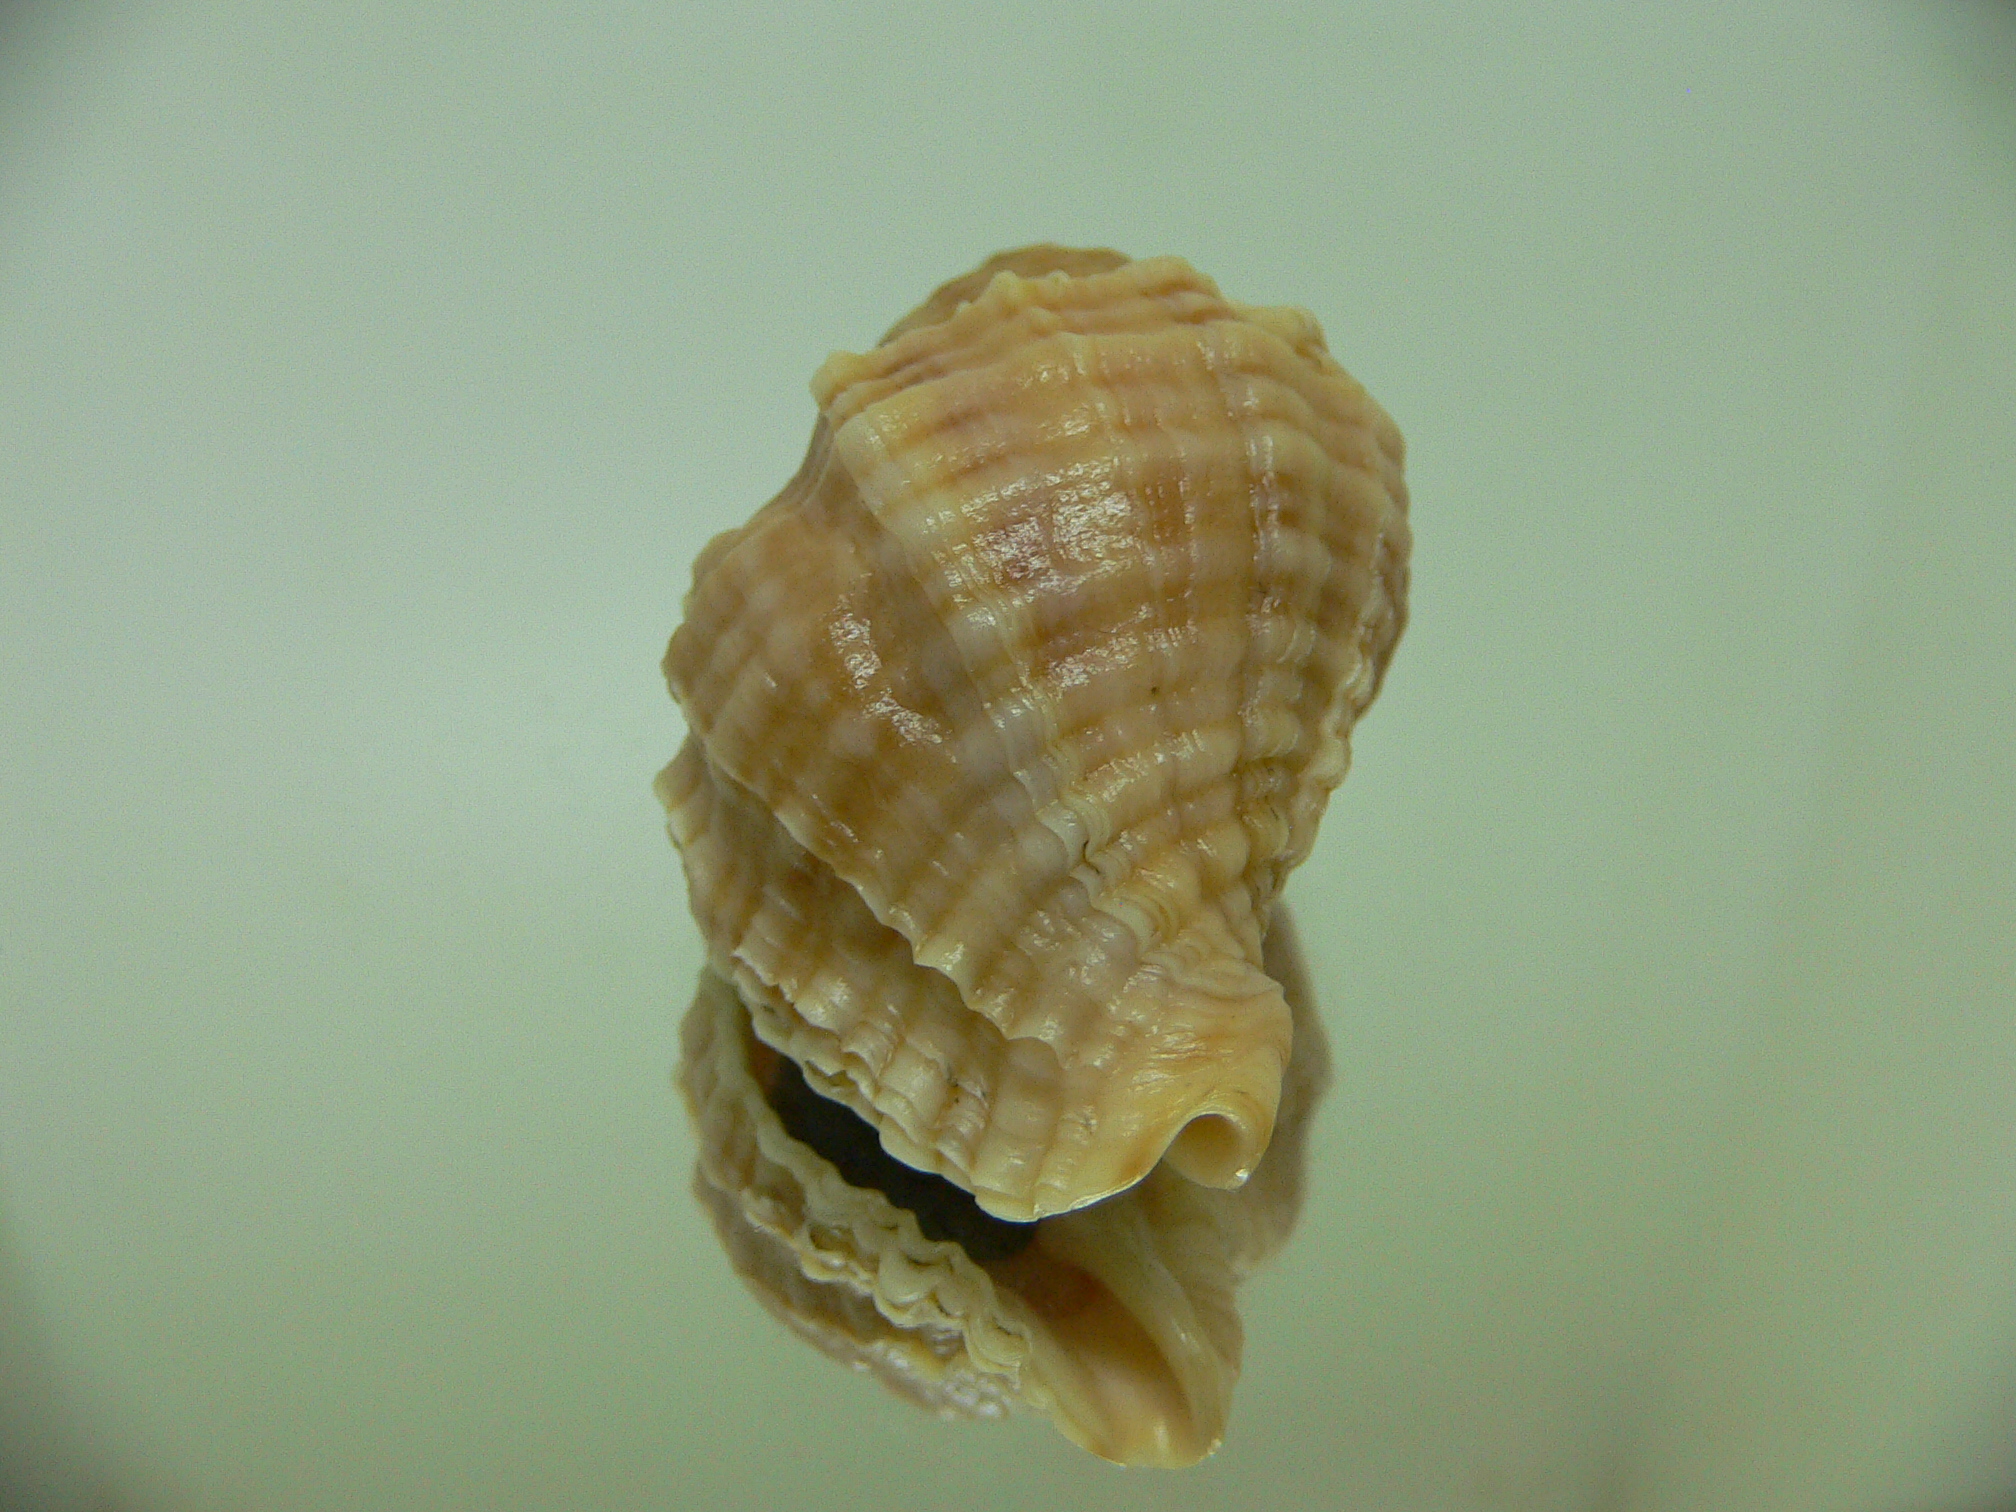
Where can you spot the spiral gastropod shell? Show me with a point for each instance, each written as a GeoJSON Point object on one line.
{"type": "Point", "coordinates": [1007, 718]}
{"type": "Point", "coordinates": [1009, 715]}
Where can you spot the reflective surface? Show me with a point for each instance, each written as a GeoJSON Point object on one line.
{"type": "Point", "coordinates": [1116, 1321]}
{"type": "Point", "coordinates": [369, 378]}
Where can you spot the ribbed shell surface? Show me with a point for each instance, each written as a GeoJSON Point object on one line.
{"type": "Point", "coordinates": [1008, 716]}
{"type": "Point", "coordinates": [1117, 1322]}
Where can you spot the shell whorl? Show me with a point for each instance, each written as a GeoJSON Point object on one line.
{"type": "Point", "coordinates": [1010, 713]}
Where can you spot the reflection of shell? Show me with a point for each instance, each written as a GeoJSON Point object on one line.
{"type": "Point", "coordinates": [1116, 1321]}
{"type": "Point", "coordinates": [1011, 712]}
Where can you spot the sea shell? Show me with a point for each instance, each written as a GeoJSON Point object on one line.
{"type": "Point", "coordinates": [1009, 715]}
{"type": "Point", "coordinates": [1117, 1321]}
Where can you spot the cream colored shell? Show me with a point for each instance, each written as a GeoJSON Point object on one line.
{"type": "Point", "coordinates": [1009, 715]}
{"type": "Point", "coordinates": [1117, 1322]}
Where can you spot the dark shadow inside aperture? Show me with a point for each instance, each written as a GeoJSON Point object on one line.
{"type": "Point", "coordinates": [943, 1211]}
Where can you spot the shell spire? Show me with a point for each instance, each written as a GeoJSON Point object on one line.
{"type": "Point", "coordinates": [1010, 713]}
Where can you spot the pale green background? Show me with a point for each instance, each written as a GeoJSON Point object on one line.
{"type": "Point", "coordinates": [370, 373]}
